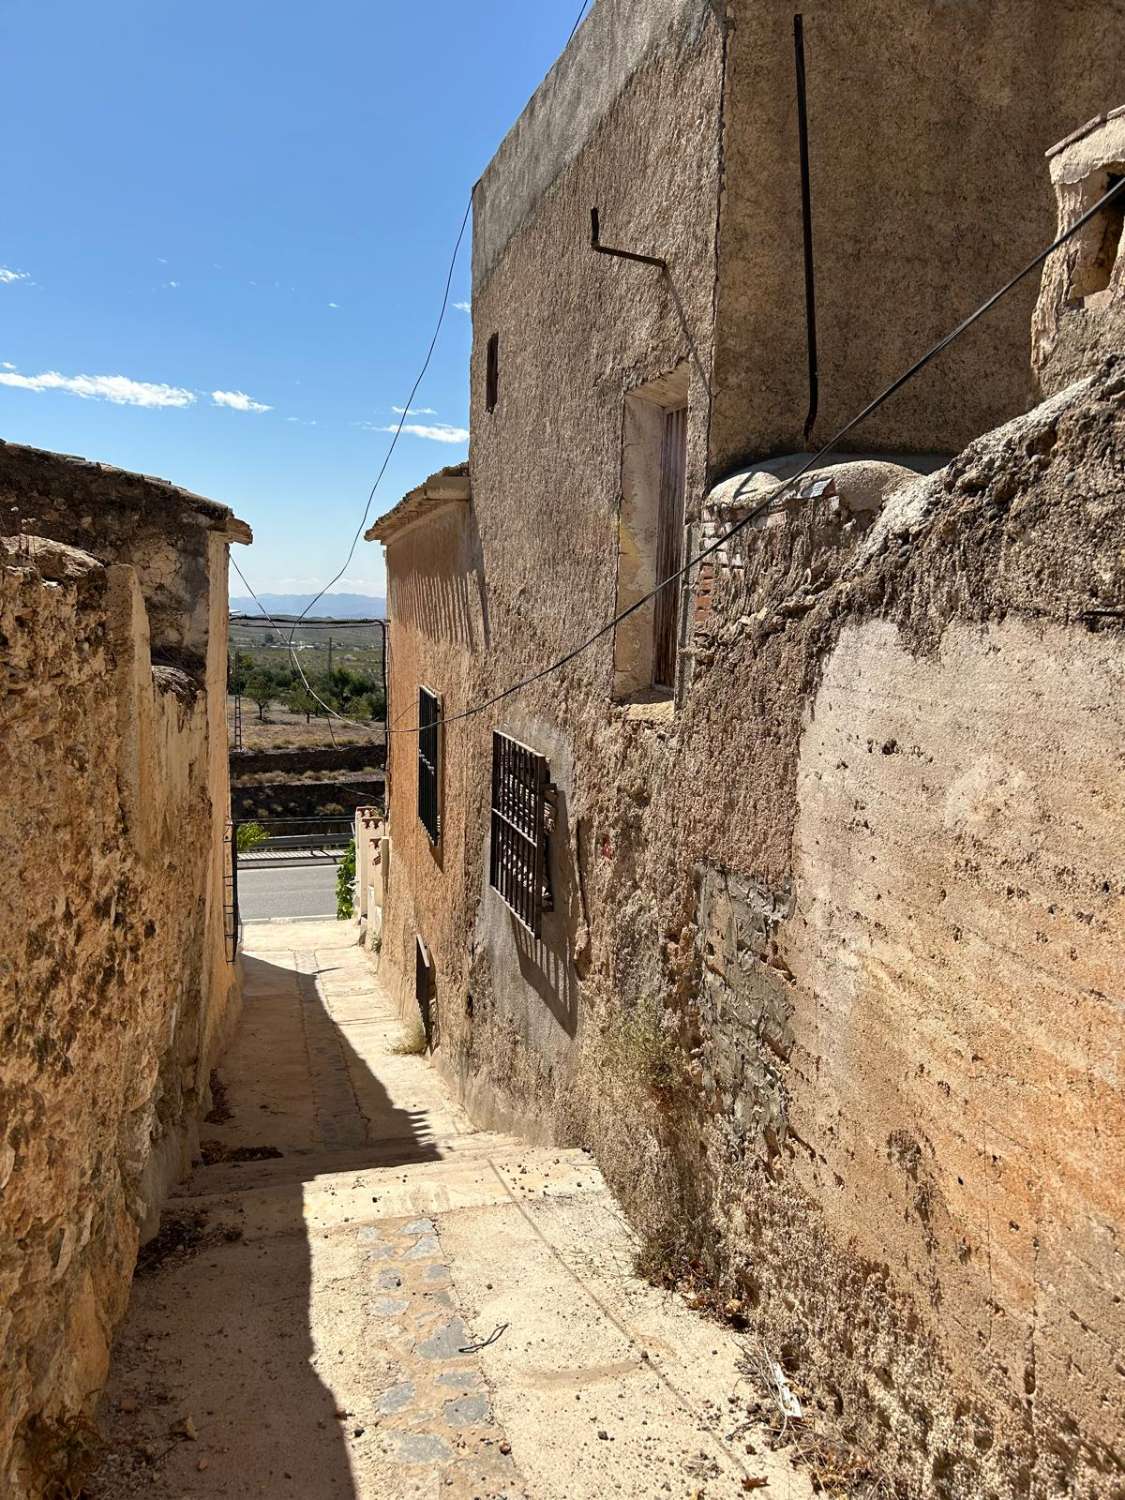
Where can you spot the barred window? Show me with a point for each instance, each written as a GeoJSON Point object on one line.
{"type": "Point", "coordinates": [518, 868]}
{"type": "Point", "coordinates": [429, 750]}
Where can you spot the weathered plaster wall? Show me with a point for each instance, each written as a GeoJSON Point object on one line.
{"type": "Point", "coordinates": [115, 990]}
{"type": "Point", "coordinates": [438, 620]}
{"type": "Point", "coordinates": [1080, 314]}
{"type": "Point", "coordinates": [693, 1011]}
{"type": "Point", "coordinates": [927, 127]}
{"type": "Point", "coordinates": [577, 332]}
{"type": "Point", "coordinates": [845, 965]}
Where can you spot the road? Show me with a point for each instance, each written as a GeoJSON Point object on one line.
{"type": "Point", "coordinates": [287, 890]}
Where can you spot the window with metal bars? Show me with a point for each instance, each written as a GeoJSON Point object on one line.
{"type": "Point", "coordinates": [518, 866]}
{"type": "Point", "coordinates": [429, 763]}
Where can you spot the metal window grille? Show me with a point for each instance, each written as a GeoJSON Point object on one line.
{"type": "Point", "coordinates": [518, 867]}
{"type": "Point", "coordinates": [429, 749]}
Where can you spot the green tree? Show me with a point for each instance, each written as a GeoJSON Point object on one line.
{"type": "Point", "coordinates": [345, 885]}
{"type": "Point", "coordinates": [298, 700]}
{"type": "Point", "coordinates": [260, 690]}
{"type": "Point", "coordinates": [250, 835]}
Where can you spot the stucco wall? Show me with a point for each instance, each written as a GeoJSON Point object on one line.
{"type": "Point", "coordinates": [927, 127]}
{"type": "Point", "coordinates": [813, 925]}
{"type": "Point", "coordinates": [437, 622]}
{"type": "Point", "coordinates": [1080, 314]}
{"type": "Point", "coordinates": [843, 967]}
{"type": "Point", "coordinates": [115, 989]}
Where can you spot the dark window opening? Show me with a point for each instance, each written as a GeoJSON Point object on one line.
{"type": "Point", "coordinates": [1099, 244]}
{"type": "Point", "coordinates": [492, 373]}
{"type": "Point", "coordinates": [429, 750]}
{"type": "Point", "coordinates": [424, 988]}
{"type": "Point", "coordinates": [669, 545]}
{"type": "Point", "coordinates": [518, 866]}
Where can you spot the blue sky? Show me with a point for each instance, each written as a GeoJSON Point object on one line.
{"type": "Point", "coordinates": [232, 206]}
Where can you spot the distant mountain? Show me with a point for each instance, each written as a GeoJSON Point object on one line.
{"type": "Point", "coordinates": [331, 607]}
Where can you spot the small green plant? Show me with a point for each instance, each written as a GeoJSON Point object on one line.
{"type": "Point", "coordinates": [649, 1050]}
{"type": "Point", "coordinates": [250, 836]}
{"type": "Point", "coordinates": [345, 885]}
{"type": "Point", "coordinates": [412, 1042]}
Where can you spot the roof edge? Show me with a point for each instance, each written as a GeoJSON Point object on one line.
{"type": "Point", "coordinates": [450, 486]}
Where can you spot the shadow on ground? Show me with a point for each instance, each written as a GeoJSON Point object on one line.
{"type": "Point", "coordinates": [238, 1405]}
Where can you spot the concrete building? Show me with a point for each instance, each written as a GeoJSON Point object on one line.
{"type": "Point", "coordinates": [118, 981]}
{"type": "Point", "coordinates": [798, 894]}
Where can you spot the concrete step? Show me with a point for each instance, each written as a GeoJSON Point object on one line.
{"type": "Point", "coordinates": [300, 1164]}
{"type": "Point", "coordinates": [494, 1170]}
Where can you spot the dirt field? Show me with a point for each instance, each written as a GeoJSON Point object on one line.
{"type": "Point", "coordinates": [283, 729]}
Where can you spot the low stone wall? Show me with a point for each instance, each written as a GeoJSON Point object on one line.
{"type": "Point", "coordinates": [114, 990]}
{"type": "Point", "coordinates": [304, 799]}
{"type": "Point", "coordinates": [324, 758]}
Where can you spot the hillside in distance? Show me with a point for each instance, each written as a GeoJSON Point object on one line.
{"type": "Point", "coordinates": [330, 607]}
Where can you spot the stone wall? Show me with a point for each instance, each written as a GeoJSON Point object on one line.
{"type": "Point", "coordinates": [116, 992]}
{"type": "Point", "coordinates": [832, 984]}
{"type": "Point", "coordinates": [927, 127]}
{"type": "Point", "coordinates": [438, 624]}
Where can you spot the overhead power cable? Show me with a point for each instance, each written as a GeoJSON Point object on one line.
{"type": "Point", "coordinates": [333, 714]}
{"type": "Point", "coordinates": [772, 498]}
{"type": "Point", "coordinates": [578, 22]}
{"type": "Point", "coordinates": [371, 493]}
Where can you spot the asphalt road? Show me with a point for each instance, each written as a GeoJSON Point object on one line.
{"type": "Point", "coordinates": [292, 890]}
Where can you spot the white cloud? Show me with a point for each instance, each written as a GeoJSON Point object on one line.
{"type": "Point", "coordinates": [356, 586]}
{"type": "Point", "coordinates": [465, 307]}
{"type": "Point", "coordinates": [116, 388]}
{"type": "Point", "coordinates": [8, 365]}
{"type": "Point", "coordinates": [172, 284]}
{"type": "Point", "coordinates": [334, 304]}
{"type": "Point", "coordinates": [301, 421]}
{"type": "Point", "coordinates": [437, 432]}
{"type": "Point", "coordinates": [7, 275]}
{"type": "Point", "coordinates": [238, 401]}
{"type": "Point", "coordinates": [414, 411]}
{"type": "Point", "coordinates": [161, 261]}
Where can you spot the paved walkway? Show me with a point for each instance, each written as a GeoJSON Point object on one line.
{"type": "Point", "coordinates": [361, 1296]}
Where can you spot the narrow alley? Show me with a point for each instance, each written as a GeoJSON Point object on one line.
{"type": "Point", "coordinates": [357, 1294]}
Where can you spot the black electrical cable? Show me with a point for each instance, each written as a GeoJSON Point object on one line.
{"type": "Point", "coordinates": [578, 22]}
{"type": "Point", "coordinates": [371, 494]}
{"type": "Point", "coordinates": [896, 385]}
{"type": "Point", "coordinates": [405, 413]}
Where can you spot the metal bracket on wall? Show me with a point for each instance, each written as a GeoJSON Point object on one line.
{"type": "Point", "coordinates": [596, 244]}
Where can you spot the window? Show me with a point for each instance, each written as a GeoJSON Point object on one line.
{"type": "Point", "coordinates": [518, 867]}
{"type": "Point", "coordinates": [429, 750]}
{"type": "Point", "coordinates": [424, 988]}
{"type": "Point", "coordinates": [651, 536]}
{"type": "Point", "coordinates": [1099, 242]}
{"type": "Point", "coordinates": [492, 373]}
{"type": "Point", "coordinates": [669, 545]}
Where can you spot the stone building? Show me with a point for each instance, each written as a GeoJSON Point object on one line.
{"type": "Point", "coordinates": [799, 897]}
{"type": "Point", "coordinates": [118, 984]}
